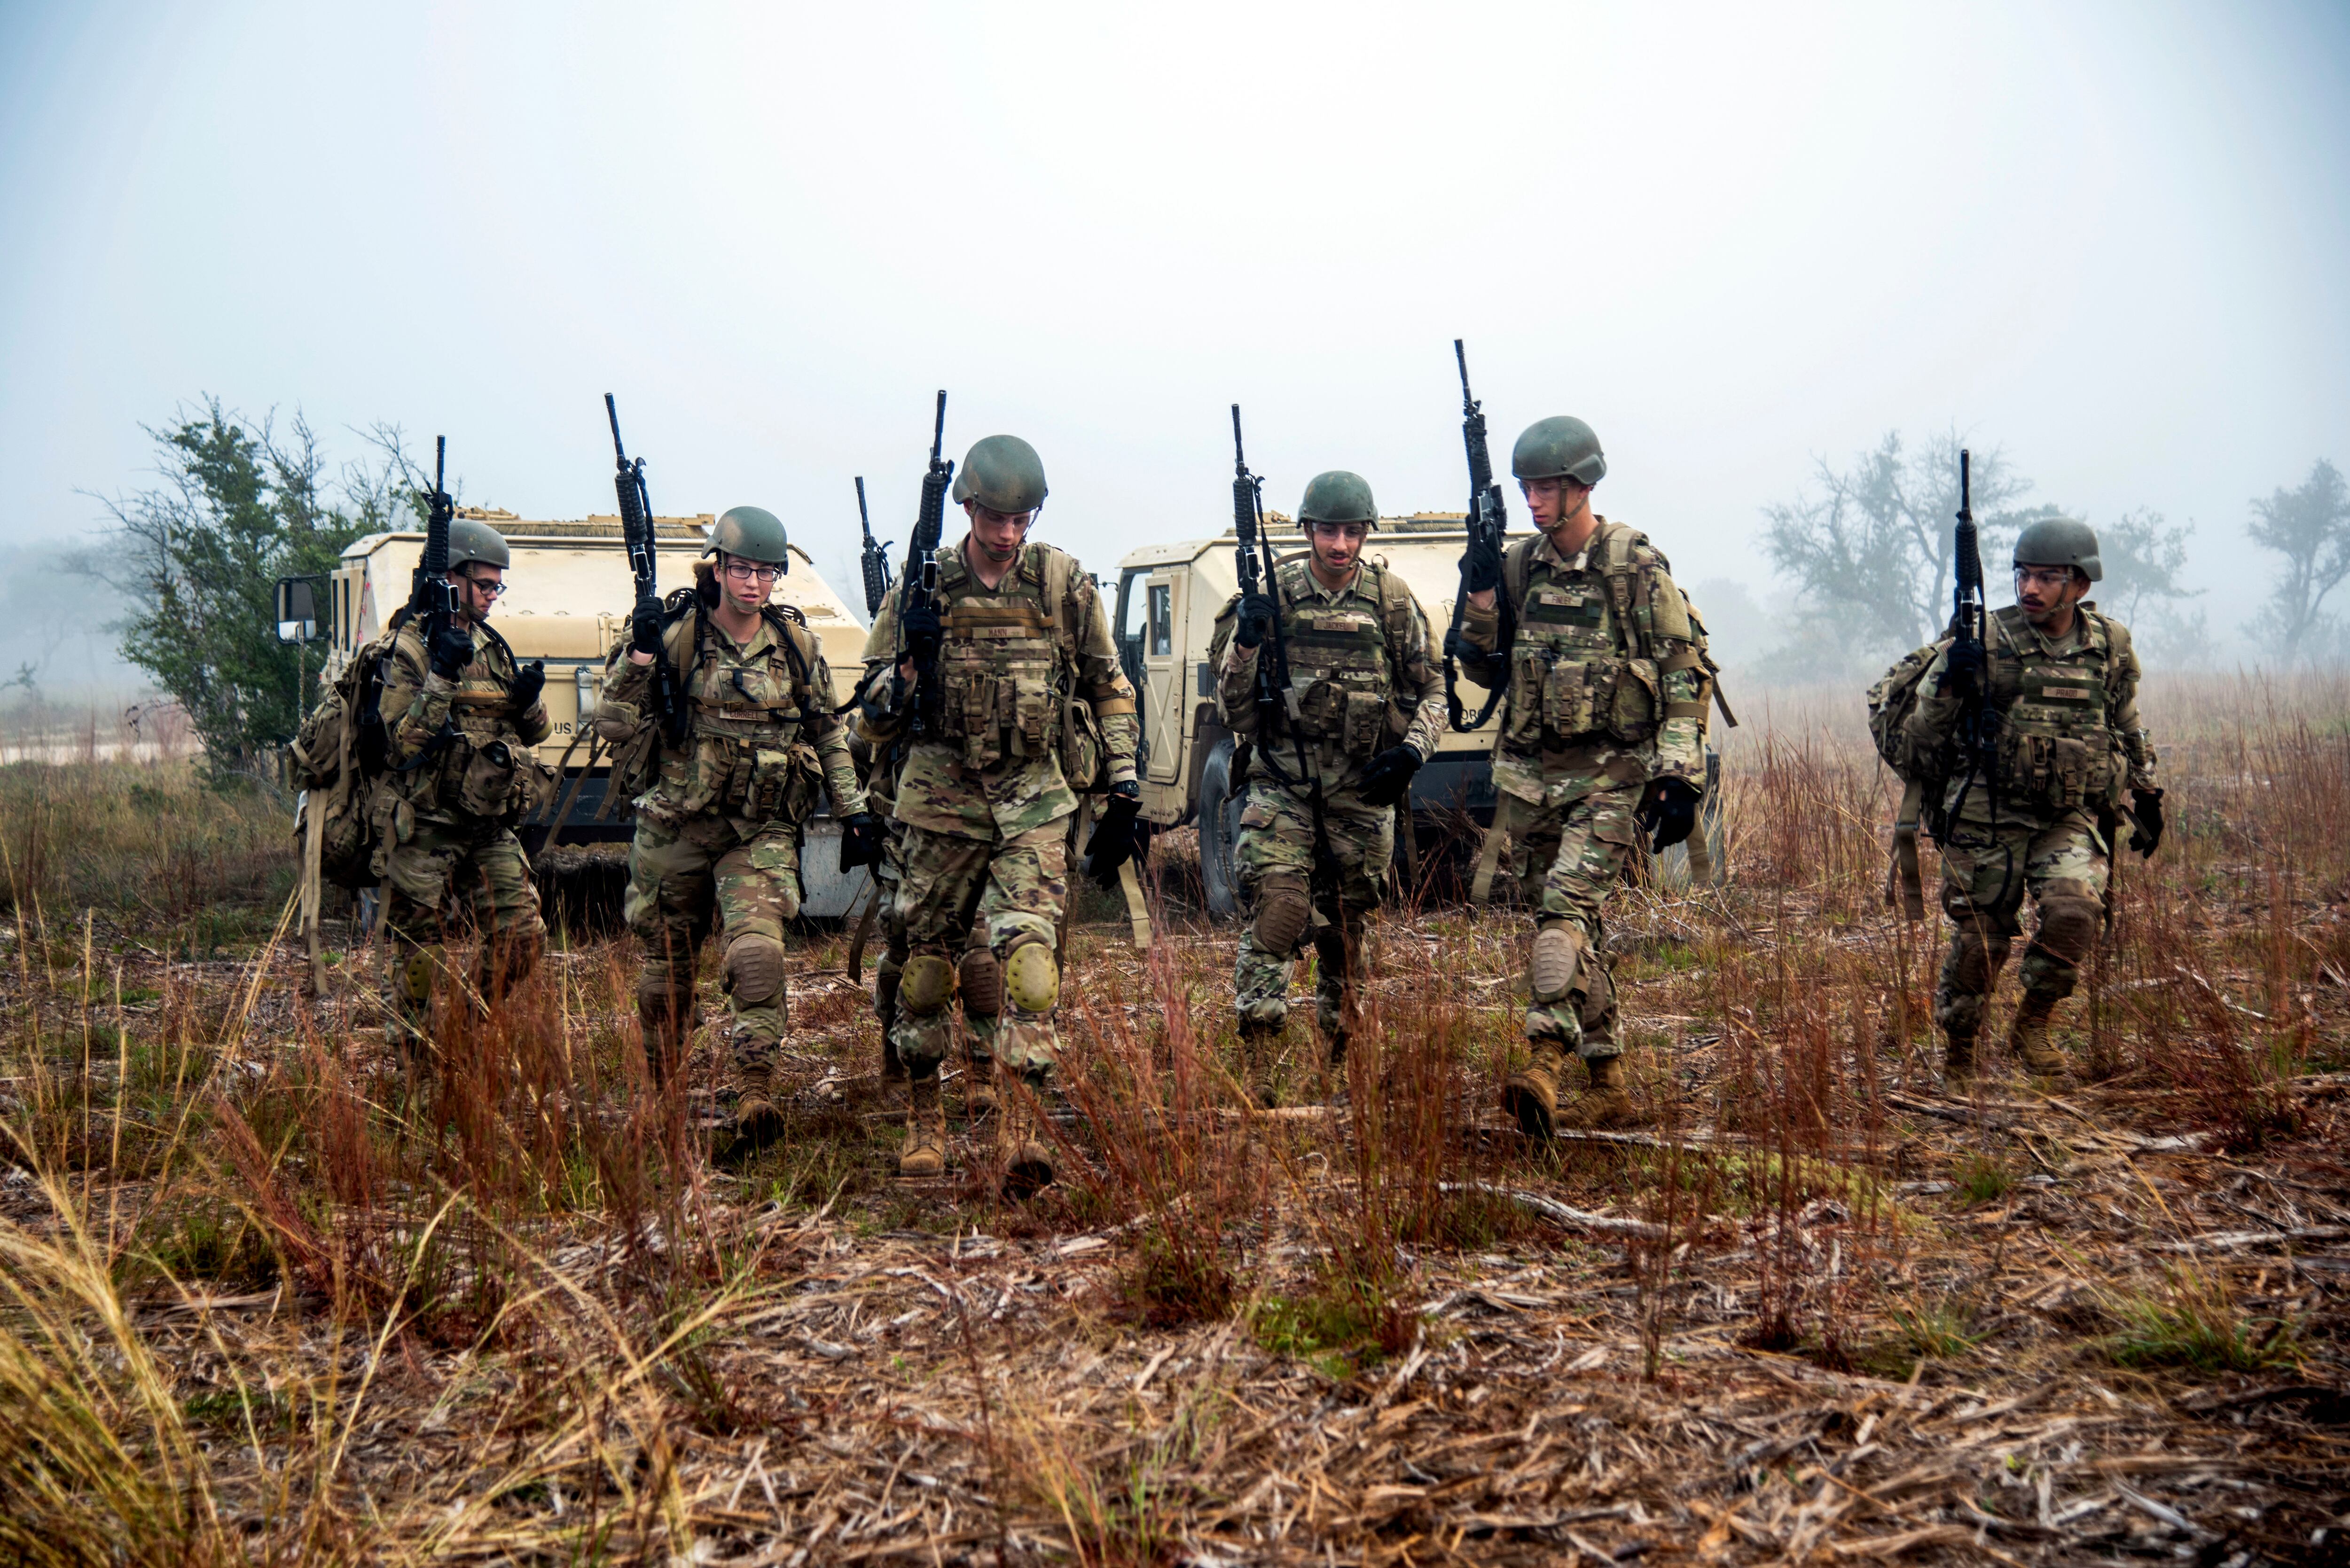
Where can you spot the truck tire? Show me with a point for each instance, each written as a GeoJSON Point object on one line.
{"type": "Point", "coordinates": [1219, 817]}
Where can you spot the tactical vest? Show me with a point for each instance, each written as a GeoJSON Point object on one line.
{"type": "Point", "coordinates": [1580, 672]}
{"type": "Point", "coordinates": [479, 766]}
{"type": "Point", "coordinates": [746, 752]}
{"type": "Point", "coordinates": [1007, 670]}
{"type": "Point", "coordinates": [2056, 746]}
{"type": "Point", "coordinates": [1342, 656]}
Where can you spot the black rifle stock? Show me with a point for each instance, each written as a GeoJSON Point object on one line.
{"type": "Point", "coordinates": [1273, 670]}
{"type": "Point", "coordinates": [1488, 522]}
{"type": "Point", "coordinates": [1969, 624]}
{"type": "Point", "coordinates": [922, 575]}
{"type": "Point", "coordinates": [877, 557]}
{"type": "Point", "coordinates": [643, 547]}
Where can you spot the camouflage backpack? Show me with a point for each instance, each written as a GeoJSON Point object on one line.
{"type": "Point", "coordinates": [340, 761]}
{"type": "Point", "coordinates": [1890, 703]}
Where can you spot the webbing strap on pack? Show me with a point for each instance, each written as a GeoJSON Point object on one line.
{"type": "Point", "coordinates": [1489, 858]}
{"type": "Point", "coordinates": [1902, 888]}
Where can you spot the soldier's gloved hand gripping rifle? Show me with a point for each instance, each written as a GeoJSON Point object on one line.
{"type": "Point", "coordinates": [1481, 562]}
{"type": "Point", "coordinates": [645, 620]}
{"type": "Point", "coordinates": [920, 632]}
{"type": "Point", "coordinates": [1273, 694]}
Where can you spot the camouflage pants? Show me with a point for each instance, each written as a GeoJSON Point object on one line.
{"type": "Point", "coordinates": [1274, 857]}
{"type": "Point", "coordinates": [686, 874]}
{"type": "Point", "coordinates": [1567, 856]}
{"type": "Point", "coordinates": [1988, 867]}
{"type": "Point", "coordinates": [983, 920]}
{"type": "Point", "coordinates": [441, 870]}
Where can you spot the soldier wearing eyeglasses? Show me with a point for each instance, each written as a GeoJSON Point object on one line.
{"type": "Point", "coordinates": [2059, 681]}
{"type": "Point", "coordinates": [721, 818]}
{"type": "Point", "coordinates": [460, 715]}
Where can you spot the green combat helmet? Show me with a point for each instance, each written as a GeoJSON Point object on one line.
{"type": "Point", "coordinates": [752, 533]}
{"type": "Point", "coordinates": [471, 541]}
{"type": "Point", "coordinates": [1559, 448]}
{"type": "Point", "coordinates": [1003, 474]}
{"type": "Point", "coordinates": [1339, 496]}
{"type": "Point", "coordinates": [2060, 542]}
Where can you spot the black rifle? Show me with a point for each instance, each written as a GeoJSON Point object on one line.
{"type": "Point", "coordinates": [1969, 624]}
{"type": "Point", "coordinates": [1273, 670]}
{"type": "Point", "coordinates": [432, 597]}
{"type": "Point", "coordinates": [637, 530]}
{"type": "Point", "coordinates": [1488, 521]}
{"type": "Point", "coordinates": [922, 578]}
{"type": "Point", "coordinates": [877, 559]}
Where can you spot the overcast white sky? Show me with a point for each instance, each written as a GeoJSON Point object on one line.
{"type": "Point", "coordinates": [2109, 237]}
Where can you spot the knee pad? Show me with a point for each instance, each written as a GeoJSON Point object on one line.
{"type": "Point", "coordinates": [1974, 962]}
{"type": "Point", "coordinates": [414, 976]}
{"type": "Point", "coordinates": [1558, 953]}
{"type": "Point", "coordinates": [2068, 925]}
{"type": "Point", "coordinates": [1281, 916]}
{"type": "Point", "coordinates": [927, 985]}
{"type": "Point", "coordinates": [1031, 978]}
{"type": "Point", "coordinates": [755, 968]}
{"type": "Point", "coordinates": [980, 979]}
{"type": "Point", "coordinates": [1595, 997]}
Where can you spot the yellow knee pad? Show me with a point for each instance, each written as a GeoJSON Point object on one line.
{"type": "Point", "coordinates": [1558, 953]}
{"type": "Point", "coordinates": [414, 976]}
{"type": "Point", "coordinates": [1031, 978]}
{"type": "Point", "coordinates": [927, 985]}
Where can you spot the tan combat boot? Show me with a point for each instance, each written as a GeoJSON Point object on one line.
{"type": "Point", "coordinates": [925, 1153]}
{"type": "Point", "coordinates": [979, 1097]}
{"type": "Point", "coordinates": [1027, 1163]}
{"type": "Point", "coordinates": [1606, 1104]}
{"type": "Point", "coordinates": [2028, 1037]}
{"type": "Point", "coordinates": [758, 1118]}
{"type": "Point", "coordinates": [1260, 1044]}
{"type": "Point", "coordinates": [1958, 1062]}
{"type": "Point", "coordinates": [1530, 1093]}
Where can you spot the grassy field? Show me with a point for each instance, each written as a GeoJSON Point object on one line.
{"type": "Point", "coordinates": [263, 1303]}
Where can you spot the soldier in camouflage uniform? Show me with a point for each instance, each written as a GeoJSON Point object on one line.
{"type": "Point", "coordinates": [2060, 681]}
{"type": "Point", "coordinates": [1030, 707]}
{"type": "Point", "coordinates": [719, 831]}
{"type": "Point", "coordinates": [1602, 737]}
{"type": "Point", "coordinates": [1369, 706]}
{"type": "Point", "coordinates": [459, 716]}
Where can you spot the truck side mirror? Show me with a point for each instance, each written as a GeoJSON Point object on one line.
{"type": "Point", "coordinates": [298, 619]}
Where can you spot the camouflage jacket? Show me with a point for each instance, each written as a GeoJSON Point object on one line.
{"type": "Point", "coordinates": [1606, 675]}
{"type": "Point", "coordinates": [1361, 678]}
{"type": "Point", "coordinates": [448, 778]}
{"type": "Point", "coordinates": [763, 742]}
{"type": "Point", "coordinates": [2068, 733]}
{"type": "Point", "coordinates": [1031, 704]}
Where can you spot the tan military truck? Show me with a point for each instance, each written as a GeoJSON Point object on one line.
{"type": "Point", "coordinates": [1167, 599]}
{"type": "Point", "coordinates": [566, 602]}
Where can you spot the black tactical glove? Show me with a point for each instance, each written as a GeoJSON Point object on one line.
{"type": "Point", "coordinates": [1390, 776]}
{"type": "Point", "coordinates": [645, 626]}
{"type": "Point", "coordinates": [527, 683]}
{"type": "Point", "coordinates": [2145, 805]}
{"type": "Point", "coordinates": [1963, 670]}
{"type": "Point", "coordinates": [860, 841]}
{"type": "Point", "coordinates": [1481, 565]}
{"type": "Point", "coordinates": [1112, 843]}
{"type": "Point", "coordinates": [924, 633]}
{"type": "Point", "coordinates": [1256, 620]}
{"type": "Point", "coordinates": [1668, 811]}
{"type": "Point", "coordinates": [451, 647]}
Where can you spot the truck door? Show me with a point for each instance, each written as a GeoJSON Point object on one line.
{"type": "Point", "coordinates": [1163, 708]}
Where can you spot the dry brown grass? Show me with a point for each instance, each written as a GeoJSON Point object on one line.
{"type": "Point", "coordinates": [262, 1302]}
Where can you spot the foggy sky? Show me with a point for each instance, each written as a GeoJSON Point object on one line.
{"type": "Point", "coordinates": [2107, 237]}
